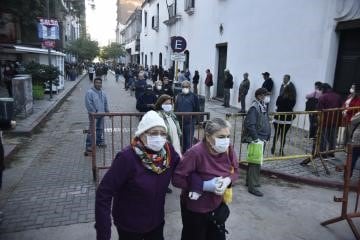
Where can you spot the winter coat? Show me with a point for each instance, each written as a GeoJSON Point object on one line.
{"type": "Point", "coordinates": [228, 81]}
{"type": "Point", "coordinates": [257, 122]}
{"type": "Point", "coordinates": [244, 87]}
{"type": "Point", "coordinates": [268, 84]}
{"type": "Point", "coordinates": [146, 101]}
{"type": "Point", "coordinates": [327, 100]}
{"type": "Point", "coordinates": [96, 101]}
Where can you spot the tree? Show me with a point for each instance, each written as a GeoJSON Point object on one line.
{"type": "Point", "coordinates": [84, 48]}
{"type": "Point", "coordinates": [112, 51]}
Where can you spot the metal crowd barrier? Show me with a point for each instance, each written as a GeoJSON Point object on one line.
{"type": "Point", "coordinates": [289, 138]}
{"type": "Point", "coordinates": [334, 132]}
{"type": "Point", "coordinates": [345, 214]}
{"type": "Point", "coordinates": [119, 130]}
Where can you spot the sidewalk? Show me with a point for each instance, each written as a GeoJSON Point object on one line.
{"type": "Point", "coordinates": [41, 110]}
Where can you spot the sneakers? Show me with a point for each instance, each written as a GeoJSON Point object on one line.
{"type": "Point", "coordinates": [256, 192]}
{"type": "Point", "coordinates": [305, 162]}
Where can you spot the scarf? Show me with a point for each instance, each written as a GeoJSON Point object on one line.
{"type": "Point", "coordinates": [163, 114]}
{"type": "Point", "coordinates": [156, 162]}
{"type": "Point", "coordinates": [261, 106]}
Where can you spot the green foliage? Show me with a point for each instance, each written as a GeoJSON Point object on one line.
{"type": "Point", "coordinates": [112, 51]}
{"type": "Point", "coordinates": [41, 73]}
{"type": "Point", "coordinates": [83, 48]}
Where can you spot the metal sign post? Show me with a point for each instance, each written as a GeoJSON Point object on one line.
{"type": "Point", "coordinates": [178, 45]}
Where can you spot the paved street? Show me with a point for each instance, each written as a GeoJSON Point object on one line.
{"type": "Point", "coordinates": [49, 192]}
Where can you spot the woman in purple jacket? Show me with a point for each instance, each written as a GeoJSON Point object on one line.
{"type": "Point", "coordinates": [205, 172]}
{"type": "Point", "coordinates": [136, 185]}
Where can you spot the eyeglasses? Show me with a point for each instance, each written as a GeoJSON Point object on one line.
{"type": "Point", "coordinates": [157, 133]}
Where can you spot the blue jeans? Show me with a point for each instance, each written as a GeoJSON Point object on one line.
{"type": "Point", "coordinates": [99, 133]}
{"type": "Point", "coordinates": [188, 135]}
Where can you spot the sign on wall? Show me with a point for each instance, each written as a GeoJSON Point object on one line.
{"type": "Point", "coordinates": [180, 57]}
{"type": "Point", "coordinates": [48, 29]}
{"type": "Point", "coordinates": [178, 44]}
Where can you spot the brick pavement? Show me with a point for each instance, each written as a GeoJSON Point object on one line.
{"type": "Point", "coordinates": [57, 187]}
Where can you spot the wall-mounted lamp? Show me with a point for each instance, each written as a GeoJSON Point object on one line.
{"type": "Point", "coordinates": [221, 29]}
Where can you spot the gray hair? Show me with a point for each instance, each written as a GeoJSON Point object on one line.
{"type": "Point", "coordinates": [216, 124]}
{"type": "Point", "coordinates": [186, 83]}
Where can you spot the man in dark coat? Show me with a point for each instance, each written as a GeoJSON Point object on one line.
{"type": "Point", "coordinates": [243, 91]}
{"type": "Point", "coordinates": [186, 101]}
{"type": "Point", "coordinates": [289, 84]}
{"type": "Point", "coordinates": [228, 84]}
{"type": "Point", "coordinates": [147, 100]}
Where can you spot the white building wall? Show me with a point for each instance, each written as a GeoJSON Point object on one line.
{"type": "Point", "coordinates": [280, 37]}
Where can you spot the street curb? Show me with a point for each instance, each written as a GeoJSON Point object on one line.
{"type": "Point", "coordinates": [46, 113]}
{"type": "Point", "coordinates": [14, 148]}
{"type": "Point", "coordinates": [298, 179]}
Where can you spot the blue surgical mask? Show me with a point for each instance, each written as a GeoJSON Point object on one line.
{"type": "Point", "coordinates": [167, 107]}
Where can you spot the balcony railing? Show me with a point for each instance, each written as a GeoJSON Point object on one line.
{"type": "Point", "coordinates": [173, 16]}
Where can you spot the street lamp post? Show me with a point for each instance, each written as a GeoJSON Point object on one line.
{"type": "Point", "coordinates": [49, 48]}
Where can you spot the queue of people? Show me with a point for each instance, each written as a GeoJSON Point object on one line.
{"type": "Point", "coordinates": [133, 190]}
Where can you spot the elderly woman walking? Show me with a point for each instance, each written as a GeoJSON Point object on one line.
{"type": "Point", "coordinates": [205, 173]}
{"type": "Point", "coordinates": [134, 188]}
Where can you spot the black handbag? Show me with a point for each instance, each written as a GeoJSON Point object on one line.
{"type": "Point", "coordinates": [219, 216]}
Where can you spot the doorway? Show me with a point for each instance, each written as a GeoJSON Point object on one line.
{"type": "Point", "coordinates": [222, 55]}
{"type": "Point", "coordinates": [348, 61]}
{"type": "Point", "coordinates": [187, 60]}
{"type": "Point", "coordinates": [160, 59]}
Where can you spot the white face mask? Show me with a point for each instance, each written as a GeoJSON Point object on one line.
{"type": "Point", "coordinates": [352, 90]}
{"type": "Point", "coordinates": [167, 107]}
{"type": "Point", "coordinates": [185, 90]}
{"type": "Point", "coordinates": [267, 99]}
{"type": "Point", "coordinates": [158, 87]}
{"type": "Point", "coordinates": [221, 144]}
{"type": "Point", "coordinates": [155, 143]}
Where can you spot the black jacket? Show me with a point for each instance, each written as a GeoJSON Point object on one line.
{"type": "Point", "coordinates": [228, 81]}
{"type": "Point", "coordinates": [268, 84]}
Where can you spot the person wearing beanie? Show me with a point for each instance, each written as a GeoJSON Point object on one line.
{"type": "Point", "coordinates": [133, 189]}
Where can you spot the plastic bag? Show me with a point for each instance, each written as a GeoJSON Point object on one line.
{"type": "Point", "coordinates": [255, 152]}
{"type": "Point", "coordinates": [227, 197]}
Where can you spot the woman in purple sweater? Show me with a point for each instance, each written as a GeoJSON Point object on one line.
{"type": "Point", "coordinates": [205, 172]}
{"type": "Point", "coordinates": [136, 185]}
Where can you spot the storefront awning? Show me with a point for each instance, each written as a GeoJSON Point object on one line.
{"type": "Point", "coordinates": [6, 48]}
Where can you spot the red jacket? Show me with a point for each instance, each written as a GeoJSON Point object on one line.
{"type": "Point", "coordinates": [348, 114]}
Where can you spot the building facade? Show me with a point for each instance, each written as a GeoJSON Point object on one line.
{"type": "Point", "coordinates": [310, 40]}
{"type": "Point", "coordinates": [130, 37]}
